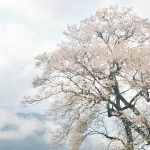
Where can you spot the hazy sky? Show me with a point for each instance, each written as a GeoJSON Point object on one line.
{"type": "Point", "coordinates": [30, 27]}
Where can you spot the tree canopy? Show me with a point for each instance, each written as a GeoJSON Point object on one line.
{"type": "Point", "coordinates": [99, 81]}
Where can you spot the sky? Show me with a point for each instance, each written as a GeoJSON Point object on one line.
{"type": "Point", "coordinates": [29, 28]}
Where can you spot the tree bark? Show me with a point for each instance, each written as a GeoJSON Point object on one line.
{"type": "Point", "coordinates": [130, 144]}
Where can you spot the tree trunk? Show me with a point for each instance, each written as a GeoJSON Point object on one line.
{"type": "Point", "coordinates": [126, 123]}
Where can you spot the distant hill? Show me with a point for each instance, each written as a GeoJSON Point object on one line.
{"type": "Point", "coordinates": [40, 117]}
{"type": "Point", "coordinates": [31, 142]}
{"type": "Point", "coordinates": [31, 129]}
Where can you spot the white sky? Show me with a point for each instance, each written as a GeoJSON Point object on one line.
{"type": "Point", "coordinates": [30, 27]}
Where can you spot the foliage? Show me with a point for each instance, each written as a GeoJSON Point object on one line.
{"type": "Point", "coordinates": [99, 80]}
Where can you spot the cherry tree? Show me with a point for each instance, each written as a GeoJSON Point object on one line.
{"type": "Point", "coordinates": [99, 81]}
